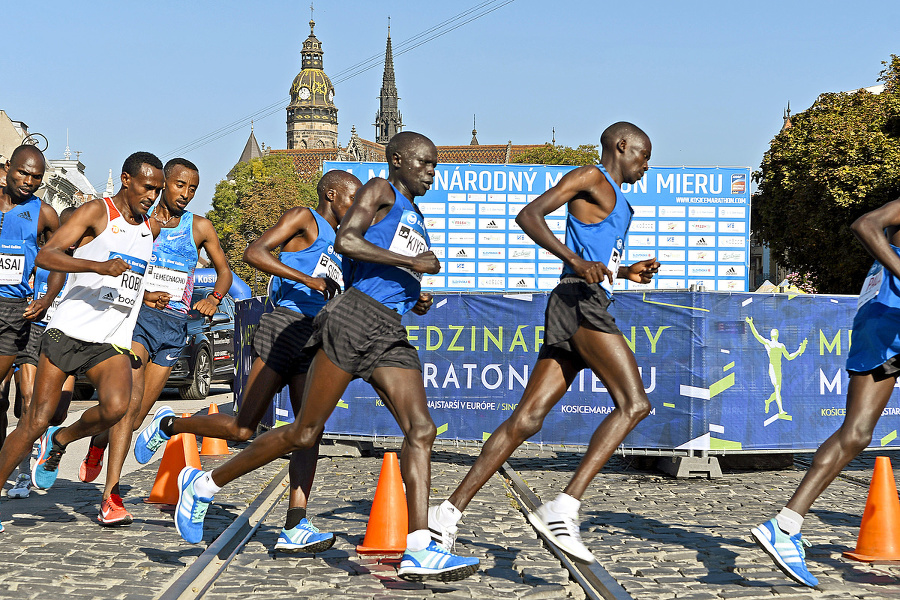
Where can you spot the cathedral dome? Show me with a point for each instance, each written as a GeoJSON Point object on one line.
{"type": "Point", "coordinates": [312, 87]}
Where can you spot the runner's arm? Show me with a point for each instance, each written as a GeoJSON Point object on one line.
{"type": "Point", "coordinates": [209, 240]}
{"type": "Point", "coordinates": [295, 222]}
{"type": "Point", "coordinates": [641, 271]}
{"type": "Point", "coordinates": [48, 221]}
{"type": "Point", "coordinates": [39, 306]}
{"type": "Point", "coordinates": [89, 219]}
{"type": "Point", "coordinates": [869, 230]}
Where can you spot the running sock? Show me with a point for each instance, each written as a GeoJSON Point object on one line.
{"type": "Point", "coordinates": [57, 443]}
{"type": "Point", "coordinates": [566, 504]}
{"type": "Point", "coordinates": [789, 521]}
{"type": "Point", "coordinates": [447, 514]}
{"type": "Point", "coordinates": [166, 424]}
{"type": "Point", "coordinates": [294, 516]}
{"type": "Point", "coordinates": [418, 540]}
{"type": "Point", "coordinates": [205, 487]}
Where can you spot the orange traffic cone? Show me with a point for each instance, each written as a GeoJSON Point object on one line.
{"type": "Point", "coordinates": [213, 446]}
{"type": "Point", "coordinates": [389, 519]}
{"type": "Point", "coordinates": [180, 452]}
{"type": "Point", "coordinates": [879, 533]}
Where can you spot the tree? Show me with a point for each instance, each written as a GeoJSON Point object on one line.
{"type": "Point", "coordinates": [251, 200]}
{"type": "Point", "coordinates": [550, 154]}
{"type": "Point", "coordinates": [836, 161]}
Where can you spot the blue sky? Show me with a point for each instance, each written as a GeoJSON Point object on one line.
{"type": "Point", "coordinates": [707, 80]}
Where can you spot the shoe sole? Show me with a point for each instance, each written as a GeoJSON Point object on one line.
{"type": "Point", "coordinates": [315, 547]}
{"type": "Point", "coordinates": [17, 494]}
{"type": "Point", "coordinates": [419, 574]}
{"type": "Point", "coordinates": [761, 539]}
{"type": "Point", "coordinates": [86, 477]}
{"type": "Point", "coordinates": [539, 525]}
{"type": "Point", "coordinates": [123, 522]}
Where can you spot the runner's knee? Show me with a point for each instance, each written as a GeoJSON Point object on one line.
{"type": "Point", "coordinates": [422, 433]}
{"type": "Point", "coordinates": [638, 409]}
{"type": "Point", "coordinates": [855, 438]}
{"type": "Point", "coordinates": [523, 425]}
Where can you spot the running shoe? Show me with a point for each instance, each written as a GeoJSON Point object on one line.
{"type": "Point", "coordinates": [562, 529]}
{"type": "Point", "coordinates": [305, 537]}
{"type": "Point", "coordinates": [113, 513]}
{"type": "Point", "coordinates": [443, 536]}
{"type": "Point", "coordinates": [45, 470]}
{"type": "Point", "coordinates": [191, 508]}
{"type": "Point", "coordinates": [92, 464]}
{"type": "Point", "coordinates": [435, 563]}
{"type": "Point", "coordinates": [786, 550]}
{"type": "Point", "coordinates": [22, 487]}
{"type": "Point", "coordinates": [151, 438]}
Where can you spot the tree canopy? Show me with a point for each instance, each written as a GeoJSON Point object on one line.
{"type": "Point", "coordinates": [837, 160]}
{"type": "Point", "coordinates": [550, 154]}
{"type": "Point", "coordinates": [250, 201]}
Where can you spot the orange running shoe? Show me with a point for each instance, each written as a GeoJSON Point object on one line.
{"type": "Point", "coordinates": [113, 513]}
{"type": "Point", "coordinates": [91, 465]}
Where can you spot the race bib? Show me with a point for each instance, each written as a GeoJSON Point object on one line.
{"type": "Point", "coordinates": [872, 285]}
{"type": "Point", "coordinates": [328, 267]}
{"type": "Point", "coordinates": [40, 293]}
{"type": "Point", "coordinates": [167, 275]}
{"type": "Point", "coordinates": [410, 239]}
{"type": "Point", "coordinates": [12, 263]}
{"type": "Point", "coordinates": [124, 290]}
{"type": "Point", "coordinates": [615, 259]}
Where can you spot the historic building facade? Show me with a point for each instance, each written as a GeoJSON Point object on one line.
{"type": "Point", "coordinates": [311, 115]}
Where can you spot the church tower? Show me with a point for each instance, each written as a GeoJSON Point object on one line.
{"type": "Point", "coordinates": [311, 115]}
{"type": "Point", "coordinates": [388, 121]}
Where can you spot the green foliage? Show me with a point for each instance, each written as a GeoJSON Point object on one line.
{"type": "Point", "coordinates": [251, 201]}
{"type": "Point", "coordinates": [838, 160]}
{"type": "Point", "coordinates": [549, 154]}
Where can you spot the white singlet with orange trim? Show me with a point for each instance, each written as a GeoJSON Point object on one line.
{"type": "Point", "coordinates": [101, 308]}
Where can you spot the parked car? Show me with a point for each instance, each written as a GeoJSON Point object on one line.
{"type": "Point", "coordinates": [207, 358]}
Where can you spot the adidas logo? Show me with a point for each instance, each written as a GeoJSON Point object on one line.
{"type": "Point", "coordinates": [108, 297]}
{"type": "Point", "coordinates": [731, 271]}
{"type": "Point", "coordinates": [462, 253]}
{"type": "Point", "coordinates": [521, 283]}
{"type": "Point", "coordinates": [25, 215]}
{"type": "Point", "coordinates": [702, 242]}
{"type": "Point", "coordinates": [491, 224]}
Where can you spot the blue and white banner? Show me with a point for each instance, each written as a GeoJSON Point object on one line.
{"type": "Point", "coordinates": [695, 220]}
{"type": "Point", "coordinates": [724, 372]}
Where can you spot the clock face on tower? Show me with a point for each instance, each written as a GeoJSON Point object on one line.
{"type": "Point", "coordinates": [304, 93]}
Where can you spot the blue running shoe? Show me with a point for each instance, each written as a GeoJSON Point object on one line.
{"type": "Point", "coordinates": [191, 508]}
{"type": "Point", "coordinates": [46, 468]}
{"type": "Point", "coordinates": [151, 438]}
{"type": "Point", "coordinates": [786, 550]}
{"type": "Point", "coordinates": [435, 563]}
{"type": "Point", "coordinates": [305, 537]}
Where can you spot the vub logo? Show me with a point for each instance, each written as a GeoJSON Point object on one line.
{"type": "Point", "coordinates": [330, 249]}
{"type": "Point", "coordinates": [411, 218]}
{"type": "Point", "coordinates": [619, 243]}
{"type": "Point", "coordinates": [738, 183]}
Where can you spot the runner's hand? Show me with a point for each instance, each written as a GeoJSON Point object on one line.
{"type": "Point", "coordinates": [426, 262]}
{"type": "Point", "coordinates": [424, 303]}
{"type": "Point", "coordinates": [205, 307]}
{"type": "Point", "coordinates": [36, 310]}
{"type": "Point", "coordinates": [592, 272]}
{"type": "Point", "coordinates": [643, 271]}
{"type": "Point", "coordinates": [158, 300]}
{"type": "Point", "coordinates": [326, 286]}
{"type": "Point", "coordinates": [113, 267]}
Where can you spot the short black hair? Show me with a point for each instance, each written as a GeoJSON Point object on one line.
{"type": "Point", "coordinates": [335, 179]}
{"type": "Point", "coordinates": [179, 161]}
{"type": "Point", "coordinates": [617, 131]}
{"type": "Point", "coordinates": [26, 148]}
{"type": "Point", "coordinates": [66, 213]}
{"type": "Point", "coordinates": [133, 163]}
{"type": "Point", "coordinates": [400, 143]}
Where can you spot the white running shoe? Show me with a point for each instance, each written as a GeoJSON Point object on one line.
{"type": "Point", "coordinates": [562, 529]}
{"type": "Point", "coordinates": [22, 487]}
{"type": "Point", "coordinates": [441, 534]}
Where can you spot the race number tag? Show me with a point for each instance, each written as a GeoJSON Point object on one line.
{"type": "Point", "coordinates": [12, 263]}
{"type": "Point", "coordinates": [615, 259]}
{"type": "Point", "coordinates": [124, 290]}
{"type": "Point", "coordinates": [872, 284]}
{"type": "Point", "coordinates": [410, 239]}
{"type": "Point", "coordinates": [328, 267]}
{"type": "Point", "coordinates": [40, 293]}
{"type": "Point", "coordinates": [167, 275]}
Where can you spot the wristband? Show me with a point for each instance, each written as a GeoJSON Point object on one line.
{"type": "Point", "coordinates": [217, 295]}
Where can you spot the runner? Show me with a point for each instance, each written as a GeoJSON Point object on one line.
{"type": "Point", "coordinates": [161, 329]}
{"type": "Point", "coordinates": [91, 329]}
{"type": "Point", "coordinates": [305, 272]}
{"type": "Point", "coordinates": [47, 293]}
{"type": "Point", "coordinates": [579, 333]}
{"type": "Point", "coordinates": [359, 334]}
{"type": "Point", "coordinates": [873, 364]}
{"type": "Point", "coordinates": [23, 219]}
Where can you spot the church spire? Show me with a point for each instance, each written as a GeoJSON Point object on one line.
{"type": "Point", "coordinates": [474, 141]}
{"type": "Point", "coordinates": [388, 121]}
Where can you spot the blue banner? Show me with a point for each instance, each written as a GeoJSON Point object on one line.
{"type": "Point", "coordinates": [734, 372]}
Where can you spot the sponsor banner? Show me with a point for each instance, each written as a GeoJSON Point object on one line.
{"type": "Point", "coordinates": [735, 372]}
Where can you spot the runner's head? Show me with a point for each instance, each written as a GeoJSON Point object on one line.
{"type": "Point", "coordinates": [182, 179]}
{"type": "Point", "coordinates": [625, 148]}
{"type": "Point", "coordinates": [65, 214]}
{"type": "Point", "coordinates": [25, 171]}
{"type": "Point", "coordinates": [2, 177]}
{"type": "Point", "coordinates": [411, 159]}
{"type": "Point", "coordinates": [142, 180]}
{"type": "Point", "coordinates": [337, 190]}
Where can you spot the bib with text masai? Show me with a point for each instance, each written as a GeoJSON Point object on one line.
{"type": "Point", "coordinates": [12, 263]}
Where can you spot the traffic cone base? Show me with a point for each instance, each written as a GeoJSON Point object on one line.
{"type": "Point", "coordinates": [389, 518]}
{"type": "Point", "coordinates": [213, 446]}
{"type": "Point", "coordinates": [879, 532]}
{"type": "Point", "coordinates": [180, 452]}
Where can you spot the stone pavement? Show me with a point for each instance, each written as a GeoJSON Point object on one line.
{"type": "Point", "coordinates": [659, 537]}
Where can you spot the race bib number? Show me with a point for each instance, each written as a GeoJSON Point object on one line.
{"type": "Point", "coordinates": [51, 309]}
{"type": "Point", "coordinates": [872, 285]}
{"type": "Point", "coordinates": [167, 275]}
{"type": "Point", "coordinates": [328, 267]}
{"type": "Point", "coordinates": [615, 259]}
{"type": "Point", "coordinates": [12, 263]}
{"type": "Point", "coordinates": [124, 290]}
{"type": "Point", "coordinates": [410, 239]}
